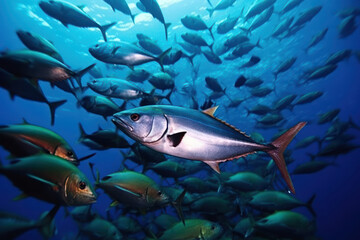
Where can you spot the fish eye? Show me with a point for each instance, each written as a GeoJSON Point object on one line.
{"type": "Point", "coordinates": [82, 185]}
{"type": "Point", "coordinates": [97, 45]}
{"type": "Point", "coordinates": [213, 227]}
{"type": "Point", "coordinates": [159, 193]}
{"type": "Point", "coordinates": [135, 117]}
{"type": "Point", "coordinates": [70, 154]}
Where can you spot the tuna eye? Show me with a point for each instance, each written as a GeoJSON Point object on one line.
{"type": "Point", "coordinates": [159, 193]}
{"type": "Point", "coordinates": [135, 117]}
{"type": "Point", "coordinates": [82, 185]}
{"type": "Point", "coordinates": [212, 227]}
{"type": "Point", "coordinates": [70, 154]}
{"type": "Point", "coordinates": [96, 45]}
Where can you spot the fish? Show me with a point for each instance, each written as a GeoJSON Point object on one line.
{"type": "Point", "coordinates": [70, 14]}
{"type": "Point", "coordinates": [138, 75]}
{"type": "Point", "coordinates": [38, 43]}
{"type": "Point", "coordinates": [152, 7]}
{"type": "Point", "coordinates": [197, 185]}
{"type": "Point", "coordinates": [12, 226]}
{"type": "Point", "coordinates": [311, 167]}
{"type": "Point", "coordinates": [102, 139]}
{"type": "Point", "coordinates": [169, 169]}
{"type": "Point", "coordinates": [51, 179]}
{"type": "Point", "coordinates": [259, 109]}
{"type": "Point", "coordinates": [284, 102]}
{"type": "Point", "coordinates": [235, 40]}
{"type": "Point", "coordinates": [195, 22]}
{"type": "Point", "coordinates": [308, 97]}
{"type": "Point", "coordinates": [321, 72]}
{"type": "Point", "coordinates": [270, 119]}
{"type": "Point", "coordinates": [121, 6]}
{"type": "Point", "coordinates": [351, 11]}
{"type": "Point", "coordinates": [260, 91]}
{"type": "Point", "coordinates": [162, 81]}
{"type": "Point", "coordinates": [212, 57]}
{"type": "Point", "coordinates": [245, 48]}
{"type": "Point", "coordinates": [253, 82]}
{"type": "Point", "coordinates": [116, 88]}
{"type": "Point", "coordinates": [23, 88]}
{"type": "Point", "coordinates": [257, 8]}
{"type": "Point", "coordinates": [193, 229]}
{"type": "Point", "coordinates": [127, 225]}
{"type": "Point", "coordinates": [23, 140]}
{"type": "Point", "coordinates": [150, 46]}
{"type": "Point", "coordinates": [195, 39]}
{"type": "Point", "coordinates": [286, 224]}
{"type": "Point", "coordinates": [284, 66]}
{"type": "Point", "coordinates": [328, 116]}
{"type": "Point", "coordinates": [347, 27]}
{"type": "Point", "coordinates": [290, 5]}
{"type": "Point", "coordinates": [260, 20]}
{"type": "Point", "coordinates": [316, 39]}
{"type": "Point", "coordinates": [36, 65]}
{"type": "Point", "coordinates": [338, 56]}
{"type": "Point", "coordinates": [175, 130]}
{"type": "Point", "coordinates": [271, 201]}
{"type": "Point", "coordinates": [307, 142]}
{"type": "Point", "coordinates": [227, 25]}
{"type": "Point", "coordinates": [240, 81]}
{"type": "Point", "coordinates": [124, 53]}
{"type": "Point", "coordinates": [100, 228]}
{"type": "Point", "coordinates": [306, 16]}
{"type": "Point", "coordinates": [252, 62]}
{"type": "Point", "coordinates": [247, 182]}
{"type": "Point", "coordinates": [100, 105]}
{"type": "Point", "coordinates": [206, 205]}
{"type": "Point", "coordinates": [175, 55]}
{"type": "Point", "coordinates": [153, 99]}
{"type": "Point", "coordinates": [221, 5]}
{"type": "Point", "coordinates": [282, 27]}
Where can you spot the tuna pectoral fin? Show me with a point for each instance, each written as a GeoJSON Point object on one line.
{"type": "Point", "coordinates": [79, 74]}
{"type": "Point", "coordinates": [175, 139]}
{"type": "Point", "coordinates": [160, 58]}
{"type": "Point", "coordinates": [166, 26]}
{"type": "Point", "coordinates": [54, 186]}
{"type": "Point", "coordinates": [106, 27]}
{"type": "Point", "coordinates": [128, 191]}
{"type": "Point", "coordinates": [46, 224]}
{"type": "Point", "coordinates": [213, 165]}
{"type": "Point", "coordinates": [53, 106]}
{"type": "Point", "coordinates": [309, 205]}
{"type": "Point", "coordinates": [280, 145]}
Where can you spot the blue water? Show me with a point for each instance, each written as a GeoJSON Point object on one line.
{"type": "Point", "coordinates": [336, 187]}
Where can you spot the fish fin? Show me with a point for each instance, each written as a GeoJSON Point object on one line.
{"type": "Point", "coordinates": [82, 133]}
{"type": "Point", "coordinates": [113, 8]}
{"type": "Point", "coordinates": [210, 111]}
{"type": "Point", "coordinates": [231, 126]}
{"type": "Point", "coordinates": [128, 191]}
{"type": "Point", "coordinates": [54, 186]}
{"type": "Point", "coordinates": [280, 145]}
{"type": "Point", "coordinates": [85, 158]}
{"type": "Point", "coordinates": [210, 30]}
{"type": "Point", "coordinates": [82, 6]}
{"type": "Point", "coordinates": [309, 205]}
{"type": "Point", "coordinates": [211, 11]}
{"type": "Point", "coordinates": [106, 27]}
{"type": "Point", "coordinates": [12, 95]}
{"type": "Point", "coordinates": [53, 106]}
{"type": "Point", "coordinates": [176, 138]}
{"type": "Point", "coordinates": [46, 223]}
{"type": "Point", "coordinates": [114, 203]}
{"type": "Point", "coordinates": [114, 50]}
{"type": "Point", "coordinates": [133, 17]}
{"type": "Point", "coordinates": [214, 165]}
{"type": "Point", "coordinates": [177, 205]}
{"type": "Point", "coordinates": [166, 26]}
{"type": "Point", "coordinates": [20, 197]}
{"type": "Point", "coordinates": [65, 24]}
{"type": "Point", "coordinates": [79, 74]}
{"type": "Point", "coordinates": [34, 82]}
{"type": "Point", "coordinates": [160, 58]}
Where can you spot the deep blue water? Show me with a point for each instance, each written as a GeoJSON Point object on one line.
{"type": "Point", "coordinates": [337, 198]}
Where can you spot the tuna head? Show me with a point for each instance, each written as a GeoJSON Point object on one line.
{"type": "Point", "coordinates": [66, 152]}
{"type": "Point", "coordinates": [78, 190]}
{"type": "Point", "coordinates": [103, 51]}
{"type": "Point", "coordinates": [50, 7]}
{"type": "Point", "coordinates": [143, 124]}
{"type": "Point", "coordinates": [100, 86]}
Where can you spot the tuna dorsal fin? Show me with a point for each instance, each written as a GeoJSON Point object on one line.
{"type": "Point", "coordinates": [210, 111]}
{"type": "Point", "coordinates": [82, 6]}
{"type": "Point", "coordinates": [231, 126]}
{"type": "Point", "coordinates": [176, 138]}
{"type": "Point", "coordinates": [214, 165]}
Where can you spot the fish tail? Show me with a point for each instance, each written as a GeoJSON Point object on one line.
{"type": "Point", "coordinates": [160, 58]}
{"type": "Point", "coordinates": [46, 223]}
{"type": "Point", "coordinates": [209, 3]}
{"type": "Point", "coordinates": [211, 11]}
{"type": "Point", "coordinates": [79, 74]}
{"type": "Point", "coordinates": [106, 27]}
{"type": "Point", "coordinates": [190, 58]}
{"type": "Point", "coordinates": [210, 30]}
{"type": "Point", "coordinates": [167, 96]}
{"type": "Point", "coordinates": [133, 17]}
{"type": "Point", "coordinates": [166, 26]}
{"type": "Point", "coordinates": [82, 133]}
{"type": "Point", "coordinates": [53, 106]}
{"type": "Point", "coordinates": [309, 205]}
{"type": "Point", "coordinates": [177, 205]}
{"type": "Point", "coordinates": [280, 145]}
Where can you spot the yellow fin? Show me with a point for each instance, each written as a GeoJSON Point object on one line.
{"type": "Point", "coordinates": [210, 111]}
{"type": "Point", "coordinates": [20, 197]}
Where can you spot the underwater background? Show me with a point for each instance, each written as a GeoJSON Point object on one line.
{"type": "Point", "coordinates": [336, 187]}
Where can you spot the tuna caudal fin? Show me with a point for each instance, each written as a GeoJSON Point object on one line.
{"type": "Point", "coordinates": [83, 134]}
{"type": "Point", "coordinates": [209, 3]}
{"type": "Point", "coordinates": [309, 205]}
{"type": "Point", "coordinates": [211, 11]}
{"type": "Point", "coordinates": [210, 30]}
{"type": "Point", "coordinates": [166, 26]}
{"type": "Point", "coordinates": [106, 27]}
{"type": "Point", "coordinates": [280, 145]}
{"type": "Point", "coordinates": [53, 106]}
{"type": "Point", "coordinates": [177, 205]}
{"type": "Point", "coordinates": [46, 223]}
{"type": "Point", "coordinates": [79, 74]}
{"type": "Point", "coordinates": [160, 58]}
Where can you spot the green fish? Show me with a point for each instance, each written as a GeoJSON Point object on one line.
{"type": "Point", "coordinates": [51, 179]}
{"type": "Point", "coordinates": [197, 135]}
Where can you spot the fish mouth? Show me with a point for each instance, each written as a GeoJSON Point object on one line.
{"type": "Point", "coordinates": [122, 124]}
{"type": "Point", "coordinates": [92, 199]}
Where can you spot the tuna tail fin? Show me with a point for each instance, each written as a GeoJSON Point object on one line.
{"type": "Point", "coordinates": [166, 26]}
{"type": "Point", "coordinates": [79, 74]}
{"type": "Point", "coordinates": [167, 96]}
{"type": "Point", "coordinates": [280, 145]}
{"type": "Point", "coordinates": [133, 17]}
{"type": "Point", "coordinates": [210, 30]}
{"type": "Point", "coordinates": [82, 133]}
{"type": "Point", "coordinates": [211, 11]}
{"type": "Point", "coordinates": [160, 58]}
{"type": "Point", "coordinates": [177, 205]}
{"type": "Point", "coordinates": [46, 224]}
{"type": "Point", "coordinates": [258, 44]}
{"type": "Point", "coordinates": [53, 106]}
{"type": "Point", "coordinates": [209, 3]}
{"type": "Point", "coordinates": [309, 205]}
{"type": "Point", "coordinates": [106, 27]}
{"type": "Point", "coordinates": [190, 58]}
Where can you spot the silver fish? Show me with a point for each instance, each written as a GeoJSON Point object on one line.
{"type": "Point", "coordinates": [196, 135]}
